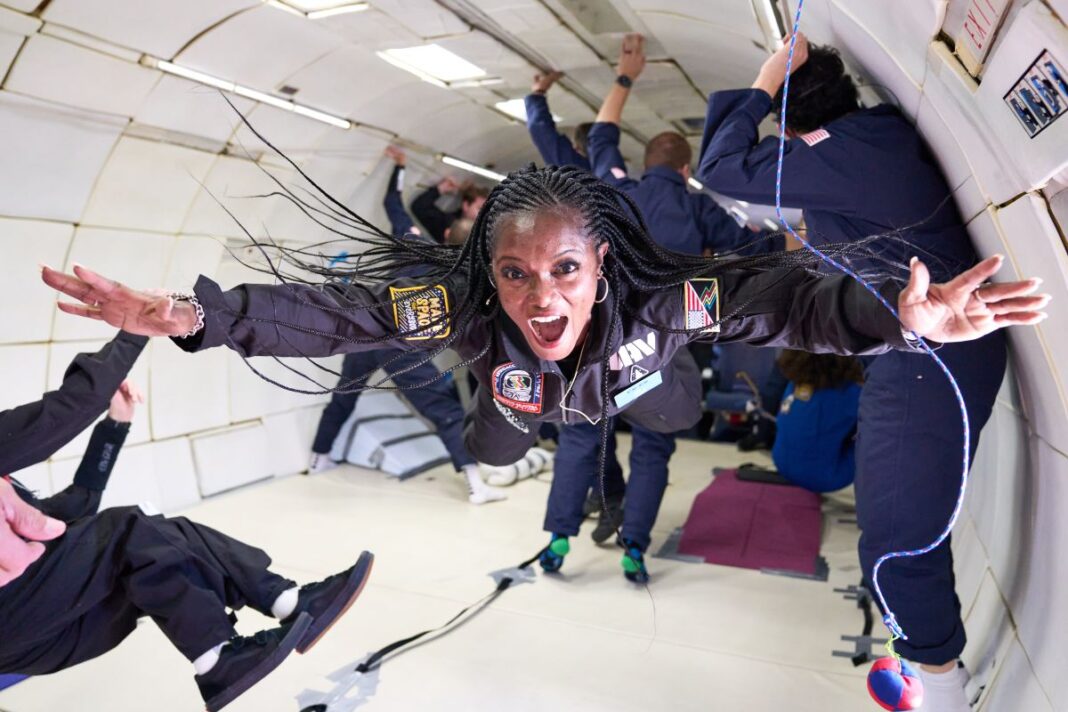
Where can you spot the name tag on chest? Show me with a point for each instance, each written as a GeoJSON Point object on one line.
{"type": "Point", "coordinates": [636, 390]}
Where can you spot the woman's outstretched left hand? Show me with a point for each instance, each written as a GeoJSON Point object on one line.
{"type": "Point", "coordinates": [967, 307]}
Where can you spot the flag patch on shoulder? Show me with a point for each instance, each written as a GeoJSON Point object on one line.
{"type": "Point", "coordinates": [814, 137]}
{"type": "Point", "coordinates": [701, 304]}
{"type": "Point", "coordinates": [619, 173]}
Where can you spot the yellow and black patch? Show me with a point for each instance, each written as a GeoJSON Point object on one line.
{"type": "Point", "coordinates": [421, 312]}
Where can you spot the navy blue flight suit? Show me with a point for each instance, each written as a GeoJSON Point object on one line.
{"type": "Point", "coordinates": [555, 148]}
{"type": "Point", "coordinates": [431, 394]}
{"type": "Point", "coordinates": [870, 173]}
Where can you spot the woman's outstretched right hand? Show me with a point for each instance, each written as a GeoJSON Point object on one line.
{"type": "Point", "coordinates": [132, 310]}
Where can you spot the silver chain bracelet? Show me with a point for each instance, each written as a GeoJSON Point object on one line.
{"type": "Point", "coordinates": [192, 299]}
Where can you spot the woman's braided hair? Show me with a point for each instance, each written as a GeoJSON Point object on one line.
{"type": "Point", "coordinates": [634, 263]}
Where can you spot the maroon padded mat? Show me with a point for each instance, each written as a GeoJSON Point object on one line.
{"type": "Point", "coordinates": [754, 526]}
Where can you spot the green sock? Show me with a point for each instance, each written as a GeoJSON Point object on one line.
{"type": "Point", "coordinates": [560, 546]}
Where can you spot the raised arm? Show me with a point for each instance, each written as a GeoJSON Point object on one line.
{"type": "Point", "coordinates": [554, 147]}
{"type": "Point", "coordinates": [427, 212]}
{"type": "Point", "coordinates": [31, 433]}
{"type": "Point", "coordinates": [606, 160]}
{"type": "Point", "coordinates": [271, 320]}
{"type": "Point", "coordinates": [735, 162]}
{"type": "Point", "coordinates": [399, 220]}
{"type": "Point", "coordinates": [630, 66]}
{"type": "Point", "coordinates": [82, 497]}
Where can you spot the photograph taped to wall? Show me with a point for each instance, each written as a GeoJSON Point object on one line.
{"type": "Point", "coordinates": [1040, 96]}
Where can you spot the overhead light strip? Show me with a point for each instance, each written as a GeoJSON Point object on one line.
{"type": "Point", "coordinates": [471, 168]}
{"type": "Point", "coordinates": [414, 70]}
{"type": "Point", "coordinates": [438, 66]}
{"type": "Point", "coordinates": [320, 14]}
{"type": "Point", "coordinates": [517, 109]}
{"type": "Point", "coordinates": [343, 10]}
{"type": "Point", "coordinates": [249, 93]}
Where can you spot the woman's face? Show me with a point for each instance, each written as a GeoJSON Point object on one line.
{"type": "Point", "coordinates": [546, 271]}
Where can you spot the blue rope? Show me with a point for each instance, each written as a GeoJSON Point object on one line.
{"type": "Point", "coordinates": [888, 619]}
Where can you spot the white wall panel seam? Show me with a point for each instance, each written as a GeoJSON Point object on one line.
{"type": "Point", "coordinates": [18, 22]}
{"type": "Point", "coordinates": [11, 66]}
{"type": "Point", "coordinates": [1010, 253]}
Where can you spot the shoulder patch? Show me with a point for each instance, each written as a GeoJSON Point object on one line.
{"type": "Point", "coordinates": [700, 304]}
{"type": "Point", "coordinates": [421, 311]}
{"type": "Point", "coordinates": [814, 137]}
{"type": "Point", "coordinates": [517, 388]}
{"type": "Point", "coordinates": [618, 172]}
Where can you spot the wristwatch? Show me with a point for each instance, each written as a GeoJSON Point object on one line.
{"type": "Point", "coordinates": [624, 81]}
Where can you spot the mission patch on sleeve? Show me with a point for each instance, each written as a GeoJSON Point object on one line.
{"type": "Point", "coordinates": [421, 312]}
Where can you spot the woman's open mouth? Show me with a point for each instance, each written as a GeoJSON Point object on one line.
{"type": "Point", "coordinates": [548, 329]}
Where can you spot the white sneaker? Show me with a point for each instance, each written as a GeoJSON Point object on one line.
{"type": "Point", "coordinates": [320, 463]}
{"type": "Point", "coordinates": [944, 692]}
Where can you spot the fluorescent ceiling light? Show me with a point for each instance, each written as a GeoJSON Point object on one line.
{"type": "Point", "coordinates": [517, 109]}
{"type": "Point", "coordinates": [696, 184]}
{"type": "Point", "coordinates": [194, 75]}
{"type": "Point", "coordinates": [433, 63]}
{"type": "Point", "coordinates": [772, 225]}
{"type": "Point", "coordinates": [200, 77]}
{"type": "Point", "coordinates": [742, 203]}
{"type": "Point", "coordinates": [472, 168]}
{"type": "Point", "coordinates": [318, 9]}
{"type": "Point", "coordinates": [285, 8]}
{"type": "Point", "coordinates": [321, 116]}
{"type": "Point", "coordinates": [259, 96]}
{"type": "Point", "coordinates": [341, 10]}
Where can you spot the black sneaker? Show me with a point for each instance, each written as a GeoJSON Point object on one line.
{"type": "Point", "coordinates": [327, 600]}
{"type": "Point", "coordinates": [634, 563]}
{"type": "Point", "coordinates": [608, 519]}
{"type": "Point", "coordinates": [592, 505]}
{"type": "Point", "coordinates": [244, 661]}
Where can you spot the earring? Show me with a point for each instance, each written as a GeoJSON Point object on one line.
{"type": "Point", "coordinates": [489, 300]}
{"type": "Point", "coordinates": [595, 299]}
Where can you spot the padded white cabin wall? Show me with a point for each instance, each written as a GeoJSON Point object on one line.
{"type": "Point", "coordinates": [1009, 571]}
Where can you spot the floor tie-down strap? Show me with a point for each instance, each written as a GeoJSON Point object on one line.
{"type": "Point", "coordinates": [505, 578]}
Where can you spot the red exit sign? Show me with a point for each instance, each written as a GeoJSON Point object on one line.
{"type": "Point", "coordinates": [981, 22]}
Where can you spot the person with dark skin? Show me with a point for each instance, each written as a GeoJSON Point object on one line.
{"type": "Point", "coordinates": [557, 276]}
{"type": "Point", "coordinates": [678, 220]}
{"type": "Point", "coordinates": [858, 172]}
{"type": "Point", "coordinates": [74, 582]}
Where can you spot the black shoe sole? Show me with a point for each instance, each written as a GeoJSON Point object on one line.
{"type": "Point", "coordinates": [348, 595]}
{"type": "Point", "coordinates": [265, 666]}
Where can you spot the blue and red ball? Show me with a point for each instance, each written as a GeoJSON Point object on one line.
{"type": "Point", "coordinates": [895, 685]}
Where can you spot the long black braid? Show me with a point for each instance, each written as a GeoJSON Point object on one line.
{"type": "Point", "coordinates": [633, 263]}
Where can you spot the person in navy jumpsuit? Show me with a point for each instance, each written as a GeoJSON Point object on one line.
{"type": "Point", "coordinates": [555, 148]}
{"type": "Point", "coordinates": [678, 220]}
{"type": "Point", "coordinates": [431, 394]}
{"type": "Point", "coordinates": [858, 172]}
